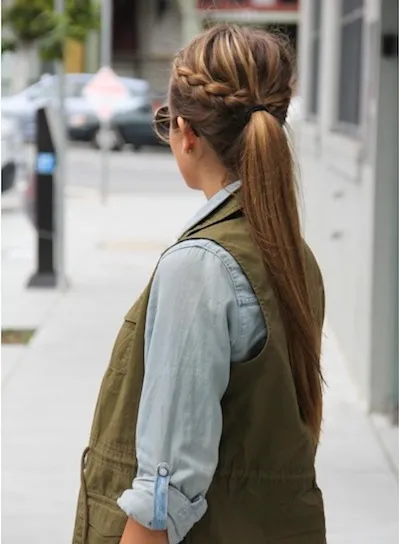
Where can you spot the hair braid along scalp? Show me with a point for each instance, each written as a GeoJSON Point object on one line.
{"type": "Point", "coordinates": [220, 76]}
{"type": "Point", "coordinates": [211, 87]}
{"type": "Point", "coordinates": [244, 66]}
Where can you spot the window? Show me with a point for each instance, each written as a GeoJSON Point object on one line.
{"type": "Point", "coordinates": [315, 58]}
{"type": "Point", "coordinates": [350, 70]}
{"type": "Point", "coordinates": [222, 4]}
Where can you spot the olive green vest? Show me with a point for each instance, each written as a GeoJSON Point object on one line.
{"type": "Point", "coordinates": [264, 489]}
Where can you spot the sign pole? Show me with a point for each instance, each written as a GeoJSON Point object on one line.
{"type": "Point", "coordinates": [106, 54]}
{"type": "Point", "coordinates": [105, 170]}
{"type": "Point", "coordinates": [105, 92]}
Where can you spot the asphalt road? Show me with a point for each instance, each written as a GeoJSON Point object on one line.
{"type": "Point", "coordinates": [146, 171]}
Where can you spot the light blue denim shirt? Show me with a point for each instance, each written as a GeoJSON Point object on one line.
{"type": "Point", "coordinates": [202, 317]}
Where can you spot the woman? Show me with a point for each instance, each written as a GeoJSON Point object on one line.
{"type": "Point", "coordinates": [209, 414]}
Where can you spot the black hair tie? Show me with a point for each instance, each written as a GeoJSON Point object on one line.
{"type": "Point", "coordinates": [260, 107]}
{"type": "Point", "coordinates": [253, 109]}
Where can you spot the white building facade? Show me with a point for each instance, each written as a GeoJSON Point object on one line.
{"type": "Point", "coordinates": [348, 150]}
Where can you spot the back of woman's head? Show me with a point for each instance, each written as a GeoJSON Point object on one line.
{"type": "Point", "coordinates": [233, 86]}
{"type": "Point", "coordinates": [222, 73]}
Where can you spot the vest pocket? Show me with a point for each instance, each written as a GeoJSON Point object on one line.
{"type": "Point", "coordinates": [106, 521]}
{"type": "Point", "coordinates": [124, 342]}
{"type": "Point", "coordinates": [123, 346]}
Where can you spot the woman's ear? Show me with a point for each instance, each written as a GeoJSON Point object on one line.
{"type": "Point", "coordinates": [188, 137]}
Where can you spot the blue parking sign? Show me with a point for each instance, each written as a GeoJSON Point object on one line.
{"type": "Point", "coordinates": [45, 163]}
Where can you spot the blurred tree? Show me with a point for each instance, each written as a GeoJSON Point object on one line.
{"type": "Point", "coordinates": [29, 23]}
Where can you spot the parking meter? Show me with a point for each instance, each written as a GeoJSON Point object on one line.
{"type": "Point", "coordinates": [44, 204]}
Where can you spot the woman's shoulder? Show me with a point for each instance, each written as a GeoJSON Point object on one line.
{"type": "Point", "coordinates": [212, 258]}
{"type": "Point", "coordinates": [195, 247]}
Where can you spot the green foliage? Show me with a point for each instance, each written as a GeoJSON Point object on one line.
{"type": "Point", "coordinates": [31, 21]}
{"type": "Point", "coordinates": [28, 20]}
{"type": "Point", "coordinates": [82, 16]}
{"type": "Point", "coordinates": [7, 45]}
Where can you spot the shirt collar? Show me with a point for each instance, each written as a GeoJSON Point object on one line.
{"type": "Point", "coordinates": [212, 204]}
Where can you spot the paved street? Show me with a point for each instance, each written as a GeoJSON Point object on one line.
{"type": "Point", "coordinates": [49, 387]}
{"type": "Point", "coordinates": [148, 170]}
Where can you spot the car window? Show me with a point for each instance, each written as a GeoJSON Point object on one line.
{"type": "Point", "coordinates": [74, 88]}
{"type": "Point", "coordinates": [137, 93]}
{"type": "Point", "coordinates": [136, 89]}
{"type": "Point", "coordinates": [47, 88]}
{"type": "Point", "coordinates": [40, 90]}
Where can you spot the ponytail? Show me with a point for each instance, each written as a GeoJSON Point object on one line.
{"type": "Point", "coordinates": [269, 202]}
{"type": "Point", "coordinates": [215, 81]}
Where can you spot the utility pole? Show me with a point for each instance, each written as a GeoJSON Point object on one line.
{"type": "Point", "coordinates": [106, 60]}
{"type": "Point", "coordinates": [61, 143]}
{"type": "Point", "coordinates": [106, 32]}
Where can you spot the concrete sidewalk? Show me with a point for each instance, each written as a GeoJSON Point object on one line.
{"type": "Point", "coordinates": [49, 388]}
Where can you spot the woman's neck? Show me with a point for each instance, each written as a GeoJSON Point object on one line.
{"type": "Point", "coordinates": [212, 184]}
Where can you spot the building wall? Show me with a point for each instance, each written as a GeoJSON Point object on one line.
{"type": "Point", "coordinates": [74, 57]}
{"type": "Point", "coordinates": [159, 39]}
{"type": "Point", "coordinates": [249, 11]}
{"type": "Point", "coordinates": [92, 52]}
{"type": "Point", "coordinates": [19, 69]}
{"type": "Point", "coordinates": [385, 278]}
{"type": "Point", "coordinates": [348, 213]}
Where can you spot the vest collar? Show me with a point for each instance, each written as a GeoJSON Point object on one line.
{"type": "Point", "coordinates": [213, 204]}
{"type": "Point", "coordinates": [228, 207]}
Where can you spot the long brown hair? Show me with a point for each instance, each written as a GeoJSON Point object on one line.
{"type": "Point", "coordinates": [215, 81]}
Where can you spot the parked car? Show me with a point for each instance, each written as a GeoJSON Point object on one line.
{"type": "Point", "coordinates": [11, 152]}
{"type": "Point", "coordinates": [131, 123]}
{"type": "Point", "coordinates": [22, 106]}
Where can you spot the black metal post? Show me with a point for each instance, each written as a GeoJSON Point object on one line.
{"type": "Point", "coordinates": [45, 275]}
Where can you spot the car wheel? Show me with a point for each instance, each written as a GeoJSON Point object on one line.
{"type": "Point", "coordinates": [108, 138]}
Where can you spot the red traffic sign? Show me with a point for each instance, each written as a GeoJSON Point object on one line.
{"type": "Point", "coordinates": [105, 91]}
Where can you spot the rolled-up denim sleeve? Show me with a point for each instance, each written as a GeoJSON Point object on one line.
{"type": "Point", "coordinates": [191, 321]}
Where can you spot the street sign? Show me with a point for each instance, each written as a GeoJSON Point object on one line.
{"type": "Point", "coordinates": [104, 91]}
